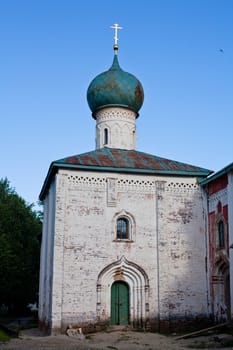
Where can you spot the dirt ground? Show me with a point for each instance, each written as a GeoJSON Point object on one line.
{"type": "Point", "coordinates": [118, 340]}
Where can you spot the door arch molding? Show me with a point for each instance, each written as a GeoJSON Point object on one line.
{"type": "Point", "coordinates": [221, 289]}
{"type": "Point", "coordinates": [138, 282]}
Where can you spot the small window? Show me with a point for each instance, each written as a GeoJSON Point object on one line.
{"type": "Point", "coordinates": [122, 228]}
{"type": "Point", "coordinates": [105, 136]}
{"type": "Point", "coordinates": [221, 235]}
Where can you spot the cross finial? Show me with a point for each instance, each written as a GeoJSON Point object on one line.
{"type": "Point", "coordinates": [116, 27]}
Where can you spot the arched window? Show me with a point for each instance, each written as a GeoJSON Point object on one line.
{"type": "Point", "coordinates": [219, 207]}
{"type": "Point", "coordinates": [122, 228]}
{"type": "Point", "coordinates": [221, 235]}
{"type": "Point", "coordinates": [105, 136]}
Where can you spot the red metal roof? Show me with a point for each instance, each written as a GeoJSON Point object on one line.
{"type": "Point", "coordinates": [118, 160]}
{"type": "Point", "coordinates": [129, 159]}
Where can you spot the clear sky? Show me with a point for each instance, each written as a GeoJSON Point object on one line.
{"type": "Point", "coordinates": [50, 50]}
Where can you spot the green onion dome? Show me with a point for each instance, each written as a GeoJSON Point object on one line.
{"type": "Point", "coordinates": [115, 88]}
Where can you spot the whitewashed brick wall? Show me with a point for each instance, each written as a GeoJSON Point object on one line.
{"type": "Point", "coordinates": [168, 244]}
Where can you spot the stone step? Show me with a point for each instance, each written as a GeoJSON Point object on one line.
{"type": "Point", "coordinates": [116, 328]}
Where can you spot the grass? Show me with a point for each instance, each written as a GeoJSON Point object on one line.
{"type": "Point", "coordinates": [4, 336]}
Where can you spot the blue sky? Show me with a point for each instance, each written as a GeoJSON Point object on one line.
{"type": "Point", "coordinates": [50, 50]}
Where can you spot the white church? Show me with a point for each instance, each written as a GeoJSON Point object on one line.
{"type": "Point", "coordinates": [126, 238]}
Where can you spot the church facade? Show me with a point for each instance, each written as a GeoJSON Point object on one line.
{"type": "Point", "coordinates": [128, 236]}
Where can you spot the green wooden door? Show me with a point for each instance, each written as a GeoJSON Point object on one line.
{"type": "Point", "coordinates": [119, 303]}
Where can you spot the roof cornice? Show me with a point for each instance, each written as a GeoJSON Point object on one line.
{"type": "Point", "coordinates": [216, 175]}
{"type": "Point", "coordinates": [56, 165]}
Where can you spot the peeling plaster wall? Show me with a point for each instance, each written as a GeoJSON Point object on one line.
{"type": "Point", "coordinates": [167, 242]}
{"type": "Point", "coordinates": [219, 191]}
{"type": "Point", "coordinates": [182, 250]}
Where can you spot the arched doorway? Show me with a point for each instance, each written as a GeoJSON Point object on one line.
{"type": "Point", "coordinates": [128, 276]}
{"type": "Point", "coordinates": [221, 290]}
{"type": "Point", "coordinates": [120, 303]}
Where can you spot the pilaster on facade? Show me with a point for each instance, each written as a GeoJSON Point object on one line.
{"type": "Point", "coordinates": [58, 254]}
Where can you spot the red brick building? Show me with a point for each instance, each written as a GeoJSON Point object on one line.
{"type": "Point", "coordinates": [219, 192]}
